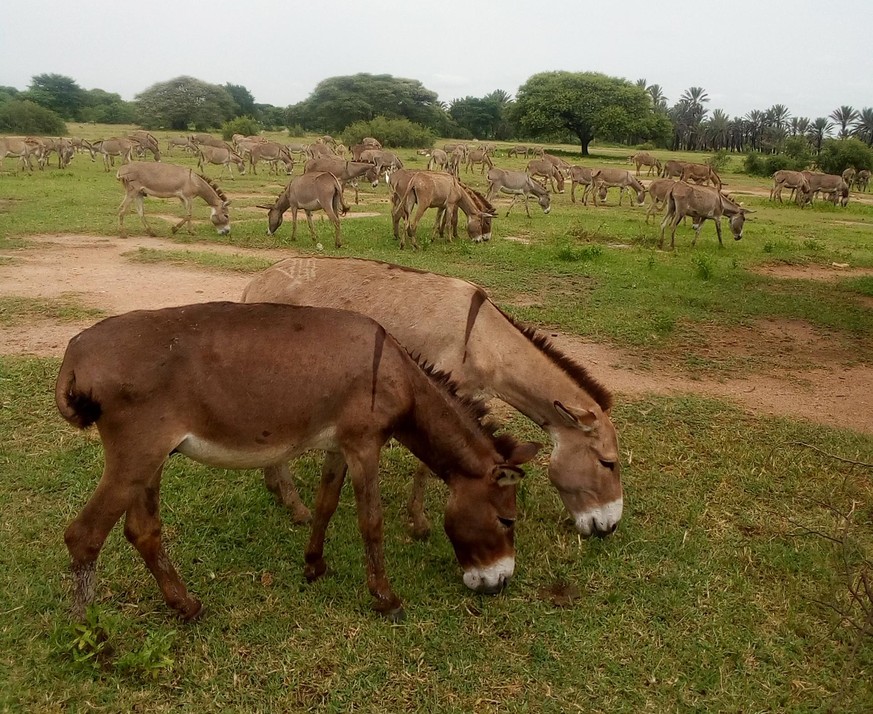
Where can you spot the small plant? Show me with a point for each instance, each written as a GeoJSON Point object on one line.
{"type": "Point", "coordinates": [811, 244]}
{"type": "Point", "coordinates": [88, 643]}
{"type": "Point", "coordinates": [704, 267]}
{"type": "Point", "coordinates": [568, 254]}
{"type": "Point", "coordinates": [151, 659]}
{"type": "Point", "coordinates": [768, 247]}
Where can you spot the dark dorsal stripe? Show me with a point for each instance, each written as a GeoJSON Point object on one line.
{"type": "Point", "coordinates": [378, 349]}
{"type": "Point", "coordinates": [479, 298]}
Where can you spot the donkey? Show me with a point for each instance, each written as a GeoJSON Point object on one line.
{"type": "Point", "coordinates": [794, 180]}
{"type": "Point", "coordinates": [644, 158]}
{"type": "Point", "coordinates": [479, 156]}
{"type": "Point", "coordinates": [18, 148]}
{"type": "Point", "coordinates": [487, 354]}
{"type": "Point", "coordinates": [831, 184]}
{"type": "Point", "coordinates": [310, 192]}
{"type": "Point", "coordinates": [430, 189]}
{"type": "Point", "coordinates": [150, 382]}
{"type": "Point", "coordinates": [658, 191]}
{"type": "Point", "coordinates": [517, 184]}
{"type": "Point", "coordinates": [673, 169]}
{"type": "Point", "coordinates": [617, 178]}
{"type": "Point", "coordinates": [438, 160]}
{"type": "Point", "coordinates": [862, 178]}
{"type": "Point", "coordinates": [162, 180]}
{"type": "Point", "coordinates": [348, 172]}
{"type": "Point", "coordinates": [270, 152]}
{"type": "Point", "coordinates": [582, 176]}
{"type": "Point", "coordinates": [518, 150]}
{"type": "Point", "coordinates": [110, 148]}
{"type": "Point", "coordinates": [547, 170]}
{"type": "Point", "coordinates": [701, 203]}
{"type": "Point", "coordinates": [147, 142]}
{"type": "Point", "coordinates": [701, 174]}
{"type": "Point", "coordinates": [223, 157]}
{"type": "Point", "coordinates": [182, 142]}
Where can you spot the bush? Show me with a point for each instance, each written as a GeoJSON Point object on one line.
{"type": "Point", "coordinates": [719, 160]}
{"type": "Point", "coordinates": [26, 117]}
{"type": "Point", "coordinates": [757, 164]}
{"type": "Point", "coordinates": [390, 132]}
{"type": "Point", "coordinates": [241, 125]}
{"type": "Point", "coordinates": [839, 154]}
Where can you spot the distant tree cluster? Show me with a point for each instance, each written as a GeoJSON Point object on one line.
{"type": "Point", "coordinates": [551, 106]}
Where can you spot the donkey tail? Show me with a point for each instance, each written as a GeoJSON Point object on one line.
{"type": "Point", "coordinates": [77, 406]}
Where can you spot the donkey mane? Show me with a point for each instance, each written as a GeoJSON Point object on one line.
{"type": "Point", "coordinates": [474, 407]}
{"type": "Point", "coordinates": [479, 199]}
{"type": "Point", "coordinates": [214, 187]}
{"type": "Point", "coordinates": [576, 371]}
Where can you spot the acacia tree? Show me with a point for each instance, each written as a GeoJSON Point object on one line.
{"type": "Point", "coordinates": [59, 93]}
{"type": "Point", "coordinates": [183, 102]}
{"type": "Point", "coordinates": [337, 102]}
{"type": "Point", "coordinates": [588, 104]}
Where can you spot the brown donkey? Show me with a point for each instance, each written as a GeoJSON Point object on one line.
{"type": "Point", "coordinates": [223, 384]}
{"type": "Point", "coordinates": [486, 353]}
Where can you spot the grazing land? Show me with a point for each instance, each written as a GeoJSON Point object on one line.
{"type": "Point", "coordinates": [744, 406]}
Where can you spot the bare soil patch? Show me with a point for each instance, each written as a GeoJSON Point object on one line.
{"type": "Point", "coordinates": [809, 378]}
{"type": "Point", "coordinates": [827, 273]}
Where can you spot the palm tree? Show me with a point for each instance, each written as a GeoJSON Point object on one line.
{"type": "Point", "coordinates": [778, 115]}
{"type": "Point", "coordinates": [659, 101]}
{"type": "Point", "coordinates": [716, 129]}
{"type": "Point", "coordinates": [863, 127]}
{"type": "Point", "coordinates": [818, 131]}
{"type": "Point", "coordinates": [756, 120]}
{"type": "Point", "coordinates": [641, 83]}
{"type": "Point", "coordinates": [844, 116]}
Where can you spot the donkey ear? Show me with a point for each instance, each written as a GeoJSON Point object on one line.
{"type": "Point", "coordinates": [508, 475]}
{"type": "Point", "coordinates": [583, 419]}
{"type": "Point", "coordinates": [266, 208]}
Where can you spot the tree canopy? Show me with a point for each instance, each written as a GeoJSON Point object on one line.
{"type": "Point", "coordinates": [183, 102]}
{"type": "Point", "coordinates": [587, 104]}
{"type": "Point", "coordinates": [59, 93]}
{"type": "Point", "coordinates": [339, 101]}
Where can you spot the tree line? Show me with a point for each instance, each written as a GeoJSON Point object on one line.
{"type": "Point", "coordinates": [566, 107]}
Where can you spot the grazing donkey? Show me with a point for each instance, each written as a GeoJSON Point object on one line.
{"type": "Point", "coordinates": [517, 184]}
{"type": "Point", "coordinates": [701, 203]}
{"type": "Point", "coordinates": [547, 170]}
{"type": "Point", "coordinates": [310, 192]}
{"type": "Point", "coordinates": [222, 384]}
{"type": "Point", "coordinates": [617, 178]}
{"type": "Point", "coordinates": [487, 353]}
{"type": "Point", "coordinates": [221, 156]}
{"type": "Point", "coordinates": [162, 180]}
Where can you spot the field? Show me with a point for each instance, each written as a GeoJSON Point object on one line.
{"type": "Point", "coordinates": [744, 407]}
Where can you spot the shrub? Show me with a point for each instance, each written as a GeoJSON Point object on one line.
{"type": "Point", "coordinates": [26, 117]}
{"type": "Point", "coordinates": [390, 132]}
{"type": "Point", "coordinates": [757, 164]}
{"type": "Point", "coordinates": [241, 125]}
{"type": "Point", "coordinates": [719, 160]}
{"type": "Point", "coordinates": [839, 154]}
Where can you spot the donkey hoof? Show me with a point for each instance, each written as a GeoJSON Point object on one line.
{"type": "Point", "coordinates": [392, 611]}
{"type": "Point", "coordinates": [420, 531]}
{"type": "Point", "coordinates": [190, 610]}
{"type": "Point", "coordinates": [314, 570]}
{"type": "Point", "coordinates": [301, 516]}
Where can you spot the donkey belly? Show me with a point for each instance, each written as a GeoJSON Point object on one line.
{"type": "Point", "coordinates": [253, 455]}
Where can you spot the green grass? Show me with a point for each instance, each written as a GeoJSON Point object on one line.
{"type": "Point", "coordinates": [712, 595]}
{"type": "Point", "coordinates": [204, 259]}
{"type": "Point", "coordinates": [719, 592]}
{"type": "Point", "coordinates": [67, 308]}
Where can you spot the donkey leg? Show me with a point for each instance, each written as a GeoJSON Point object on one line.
{"type": "Point", "coordinates": [311, 227]}
{"type": "Point", "coordinates": [364, 471]}
{"type": "Point", "coordinates": [138, 204]}
{"type": "Point", "coordinates": [420, 526]}
{"type": "Point", "coordinates": [84, 537]}
{"type": "Point", "coordinates": [333, 473]}
{"type": "Point", "coordinates": [280, 483]}
{"type": "Point", "coordinates": [142, 527]}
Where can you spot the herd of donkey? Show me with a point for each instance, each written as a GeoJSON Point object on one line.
{"type": "Point", "coordinates": [150, 382]}
{"type": "Point", "coordinates": [682, 187]}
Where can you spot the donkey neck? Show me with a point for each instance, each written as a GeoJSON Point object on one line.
{"type": "Point", "coordinates": [522, 373]}
{"type": "Point", "coordinates": [207, 192]}
{"type": "Point", "coordinates": [440, 433]}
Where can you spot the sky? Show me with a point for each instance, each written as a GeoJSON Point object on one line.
{"type": "Point", "coordinates": [747, 54]}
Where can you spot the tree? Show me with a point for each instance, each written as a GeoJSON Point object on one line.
{"type": "Point", "coordinates": [59, 93]}
{"type": "Point", "coordinates": [108, 108]}
{"type": "Point", "coordinates": [659, 101]}
{"type": "Point", "coordinates": [184, 102]}
{"type": "Point", "coordinates": [818, 131]}
{"type": "Point", "coordinates": [242, 97]}
{"type": "Point", "coordinates": [844, 116]}
{"type": "Point", "coordinates": [863, 127]}
{"type": "Point", "coordinates": [337, 102]}
{"type": "Point", "coordinates": [587, 104]}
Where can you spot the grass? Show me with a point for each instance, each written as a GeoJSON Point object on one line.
{"type": "Point", "coordinates": [710, 596]}
{"type": "Point", "coordinates": [724, 589]}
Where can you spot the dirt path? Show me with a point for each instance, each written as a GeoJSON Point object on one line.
{"type": "Point", "coordinates": [95, 271]}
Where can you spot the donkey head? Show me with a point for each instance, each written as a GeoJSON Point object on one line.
{"type": "Point", "coordinates": [221, 218]}
{"type": "Point", "coordinates": [480, 521]}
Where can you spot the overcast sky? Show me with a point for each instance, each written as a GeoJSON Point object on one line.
{"type": "Point", "coordinates": [747, 54]}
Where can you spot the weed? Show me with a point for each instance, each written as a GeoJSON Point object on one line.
{"type": "Point", "coordinates": [703, 265]}
{"type": "Point", "coordinates": [88, 642]}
